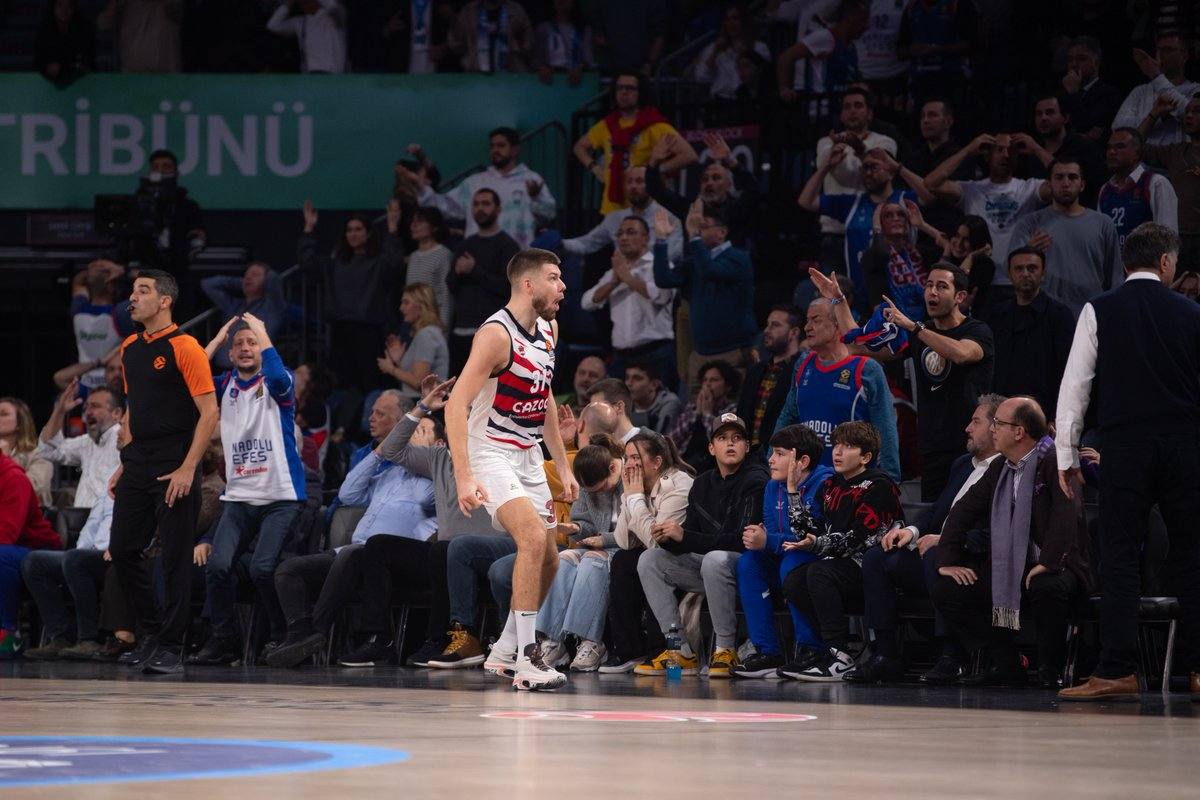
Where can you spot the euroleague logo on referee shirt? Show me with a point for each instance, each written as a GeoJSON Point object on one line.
{"type": "Point", "coordinates": [160, 362]}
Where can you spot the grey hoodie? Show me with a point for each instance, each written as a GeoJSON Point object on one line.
{"type": "Point", "coordinates": [661, 414]}
{"type": "Point", "coordinates": [594, 512]}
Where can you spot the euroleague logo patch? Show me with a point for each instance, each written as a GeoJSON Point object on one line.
{"type": "Point", "coordinates": [159, 362]}
{"type": "Point", "coordinates": [550, 511]}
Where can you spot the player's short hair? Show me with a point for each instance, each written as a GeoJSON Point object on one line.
{"type": "Point", "coordinates": [528, 260]}
{"type": "Point", "coordinates": [801, 439]}
{"type": "Point", "coordinates": [164, 283]}
{"type": "Point", "coordinates": [857, 433]}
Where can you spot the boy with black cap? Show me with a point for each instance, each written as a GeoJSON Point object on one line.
{"type": "Point", "coordinates": [702, 554]}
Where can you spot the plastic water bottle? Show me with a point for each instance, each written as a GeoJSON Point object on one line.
{"type": "Point", "coordinates": [674, 645]}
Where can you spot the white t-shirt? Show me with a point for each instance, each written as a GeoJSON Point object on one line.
{"type": "Point", "coordinates": [877, 59]}
{"type": "Point", "coordinates": [1000, 205]}
{"type": "Point", "coordinates": [722, 77]}
{"type": "Point", "coordinates": [807, 15]}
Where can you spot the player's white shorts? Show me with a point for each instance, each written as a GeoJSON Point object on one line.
{"type": "Point", "coordinates": [508, 474]}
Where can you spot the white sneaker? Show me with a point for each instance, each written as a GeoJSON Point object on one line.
{"type": "Point", "coordinates": [554, 653]}
{"type": "Point", "coordinates": [831, 669]}
{"type": "Point", "coordinates": [589, 656]}
{"type": "Point", "coordinates": [500, 663]}
{"type": "Point", "coordinates": [533, 675]}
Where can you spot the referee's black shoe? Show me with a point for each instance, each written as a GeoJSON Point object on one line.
{"type": "Point", "coordinates": [165, 661]}
{"type": "Point", "coordinates": [140, 654]}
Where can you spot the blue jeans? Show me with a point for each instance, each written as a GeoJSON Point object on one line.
{"type": "Point", "coordinates": [234, 534]}
{"type": "Point", "coordinates": [578, 598]}
{"type": "Point", "coordinates": [467, 559]}
{"type": "Point", "coordinates": [11, 556]}
{"type": "Point", "coordinates": [760, 572]}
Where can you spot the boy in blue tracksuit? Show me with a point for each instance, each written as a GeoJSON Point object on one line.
{"type": "Point", "coordinates": [794, 463]}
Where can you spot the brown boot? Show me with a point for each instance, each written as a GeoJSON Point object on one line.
{"type": "Point", "coordinates": [1104, 689]}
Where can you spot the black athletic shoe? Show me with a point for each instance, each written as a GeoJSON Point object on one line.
{"type": "Point", "coordinates": [267, 649]}
{"type": "Point", "coordinates": [165, 661]}
{"type": "Point", "coordinates": [140, 653]}
{"type": "Point", "coordinates": [946, 671]}
{"type": "Point", "coordinates": [759, 665]}
{"type": "Point", "coordinates": [112, 649]}
{"type": "Point", "coordinates": [877, 669]}
{"type": "Point", "coordinates": [216, 651]}
{"type": "Point", "coordinates": [431, 649]}
{"type": "Point", "coordinates": [374, 652]}
{"type": "Point", "coordinates": [805, 658]}
{"type": "Point", "coordinates": [294, 652]}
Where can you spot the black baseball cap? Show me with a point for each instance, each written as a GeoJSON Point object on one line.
{"type": "Point", "coordinates": [728, 421]}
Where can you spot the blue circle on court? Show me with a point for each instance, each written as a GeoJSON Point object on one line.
{"type": "Point", "coordinates": [48, 760]}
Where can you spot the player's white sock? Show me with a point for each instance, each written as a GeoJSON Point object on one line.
{"type": "Point", "coordinates": [507, 642]}
{"type": "Point", "coordinates": [526, 629]}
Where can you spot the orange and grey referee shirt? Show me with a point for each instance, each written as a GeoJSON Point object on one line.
{"type": "Point", "coordinates": [163, 372]}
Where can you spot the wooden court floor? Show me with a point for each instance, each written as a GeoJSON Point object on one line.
{"type": "Point", "coordinates": [896, 742]}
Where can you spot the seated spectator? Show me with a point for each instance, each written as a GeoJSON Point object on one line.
{"type": "Point", "coordinates": [265, 490]}
{"type": "Point", "coordinates": [146, 34]}
{"type": "Point", "coordinates": [970, 248]}
{"type": "Point", "coordinates": [1179, 161]}
{"type": "Point", "coordinates": [795, 451]}
{"type": "Point", "coordinates": [858, 506]}
{"type": "Point", "coordinates": [655, 485]}
{"type": "Point", "coordinates": [701, 554]}
{"type": "Point", "coordinates": [259, 291]}
{"type": "Point", "coordinates": [360, 275]}
{"type": "Point", "coordinates": [95, 453]}
{"type": "Point", "coordinates": [400, 507]}
{"type": "Point", "coordinates": [1135, 193]}
{"type": "Point", "coordinates": [830, 386]}
{"type": "Point", "coordinates": [22, 529]}
{"type": "Point", "coordinates": [1156, 108]}
{"type": "Point", "coordinates": [726, 186]}
{"type": "Point", "coordinates": [588, 372]}
{"type": "Point", "coordinates": [906, 561]}
{"type": "Point", "coordinates": [615, 392]}
{"type": "Point", "coordinates": [716, 66]}
{"type": "Point", "coordinates": [1032, 333]}
{"type": "Point", "coordinates": [314, 383]}
{"type": "Point", "coordinates": [641, 206]}
{"type": "Point", "coordinates": [828, 49]}
{"type": "Point", "coordinates": [319, 26]}
{"type": "Point", "coordinates": [430, 262]}
{"type": "Point", "coordinates": [100, 320]}
{"type": "Point", "coordinates": [64, 47]}
{"type": "Point", "coordinates": [768, 381]}
{"type": "Point", "coordinates": [427, 353]}
{"type": "Point", "coordinates": [894, 264]}
{"type": "Point", "coordinates": [1090, 102]}
{"type": "Point", "coordinates": [493, 36]}
{"type": "Point", "coordinates": [19, 441]}
{"type": "Point", "coordinates": [653, 405]}
{"type": "Point", "coordinates": [720, 384]}
{"type": "Point", "coordinates": [563, 44]}
{"type": "Point", "coordinates": [1017, 507]}
{"type": "Point", "coordinates": [1083, 258]}
{"type": "Point", "coordinates": [642, 326]}
{"type": "Point", "coordinates": [718, 280]}
{"type": "Point", "coordinates": [620, 141]}
{"type": "Point", "coordinates": [524, 202]}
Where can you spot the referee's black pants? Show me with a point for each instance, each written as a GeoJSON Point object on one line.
{"type": "Point", "coordinates": [1135, 476]}
{"type": "Point", "coordinates": [139, 511]}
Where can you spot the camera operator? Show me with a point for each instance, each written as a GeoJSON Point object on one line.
{"type": "Point", "coordinates": [168, 227]}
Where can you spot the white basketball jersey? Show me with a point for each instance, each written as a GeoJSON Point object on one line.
{"type": "Point", "coordinates": [510, 411]}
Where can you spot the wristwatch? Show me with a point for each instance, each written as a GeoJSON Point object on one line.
{"type": "Point", "coordinates": [918, 328]}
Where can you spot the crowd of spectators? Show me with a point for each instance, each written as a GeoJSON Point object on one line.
{"type": "Point", "coordinates": [723, 454]}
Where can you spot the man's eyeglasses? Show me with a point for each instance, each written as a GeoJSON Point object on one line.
{"type": "Point", "coordinates": [997, 421]}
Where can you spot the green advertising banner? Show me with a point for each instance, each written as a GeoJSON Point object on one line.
{"type": "Point", "coordinates": [256, 141]}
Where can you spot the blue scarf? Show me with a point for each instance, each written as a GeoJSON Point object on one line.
{"type": "Point", "coordinates": [878, 333]}
{"type": "Point", "coordinates": [496, 36]}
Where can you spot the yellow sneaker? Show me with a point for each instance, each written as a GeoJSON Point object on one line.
{"type": "Point", "coordinates": [658, 665]}
{"type": "Point", "coordinates": [724, 661]}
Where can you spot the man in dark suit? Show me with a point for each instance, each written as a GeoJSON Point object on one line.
{"type": "Point", "coordinates": [985, 571]}
{"type": "Point", "coordinates": [767, 382]}
{"type": "Point", "coordinates": [1141, 342]}
{"type": "Point", "coordinates": [907, 560]}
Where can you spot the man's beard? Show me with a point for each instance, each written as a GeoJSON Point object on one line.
{"type": "Point", "coordinates": [487, 222]}
{"type": "Point", "coordinates": [544, 308]}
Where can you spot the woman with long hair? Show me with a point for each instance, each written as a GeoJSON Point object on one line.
{"type": "Point", "coordinates": [427, 353]}
{"type": "Point", "coordinates": [895, 265]}
{"type": "Point", "coordinates": [430, 262]}
{"type": "Point", "coordinates": [19, 441]}
{"type": "Point", "coordinates": [971, 248]}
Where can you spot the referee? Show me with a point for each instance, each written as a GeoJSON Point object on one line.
{"type": "Point", "coordinates": [170, 416]}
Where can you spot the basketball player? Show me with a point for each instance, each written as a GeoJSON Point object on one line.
{"type": "Point", "coordinates": [495, 420]}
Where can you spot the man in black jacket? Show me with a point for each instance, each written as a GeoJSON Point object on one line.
{"type": "Point", "coordinates": [701, 555]}
{"type": "Point", "coordinates": [765, 389]}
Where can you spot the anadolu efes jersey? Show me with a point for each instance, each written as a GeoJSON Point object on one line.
{"type": "Point", "coordinates": [510, 410]}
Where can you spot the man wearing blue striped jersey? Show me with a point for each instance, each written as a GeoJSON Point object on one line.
{"type": "Point", "coordinates": [265, 479]}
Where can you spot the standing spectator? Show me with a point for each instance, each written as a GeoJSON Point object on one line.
{"type": "Point", "coordinates": [1080, 244]}
{"type": "Point", "coordinates": [1135, 194]}
{"type": "Point", "coordinates": [101, 322]}
{"type": "Point", "coordinates": [1032, 333]}
{"type": "Point", "coordinates": [725, 186]}
{"type": "Point", "coordinates": [493, 36]}
{"type": "Point", "coordinates": [1179, 160]}
{"type": "Point", "coordinates": [641, 205]}
{"type": "Point", "coordinates": [479, 281]}
{"type": "Point", "coordinates": [424, 26]}
{"type": "Point", "coordinates": [1058, 143]}
{"type": "Point", "coordinates": [937, 35]}
{"type": "Point", "coordinates": [526, 201]}
{"type": "Point", "coordinates": [259, 292]}
{"type": "Point", "coordinates": [95, 452]}
{"type": "Point", "coordinates": [1157, 108]}
{"type": "Point", "coordinates": [427, 353]}
{"type": "Point", "coordinates": [1137, 344]}
{"type": "Point", "coordinates": [563, 44]}
{"type": "Point", "coordinates": [828, 52]}
{"type": "Point", "coordinates": [320, 28]}
{"type": "Point", "coordinates": [937, 145]}
{"type": "Point", "coordinates": [641, 312]}
{"type": "Point", "coordinates": [716, 65]}
{"type": "Point", "coordinates": [1090, 102]}
{"type": "Point", "coordinates": [22, 529]}
{"type": "Point", "coordinates": [808, 15]}
{"type": "Point", "coordinates": [65, 45]}
{"type": "Point", "coordinates": [430, 262]}
{"type": "Point", "coordinates": [879, 61]}
{"type": "Point", "coordinates": [718, 395]}
{"type": "Point", "coordinates": [147, 34]}
{"type": "Point", "coordinates": [629, 35]}
{"type": "Point", "coordinates": [653, 406]}
{"type": "Point", "coordinates": [19, 441]}
{"type": "Point", "coordinates": [626, 137]}
{"type": "Point", "coordinates": [719, 282]}
{"type": "Point", "coordinates": [768, 381]}
{"type": "Point", "coordinates": [360, 276]}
